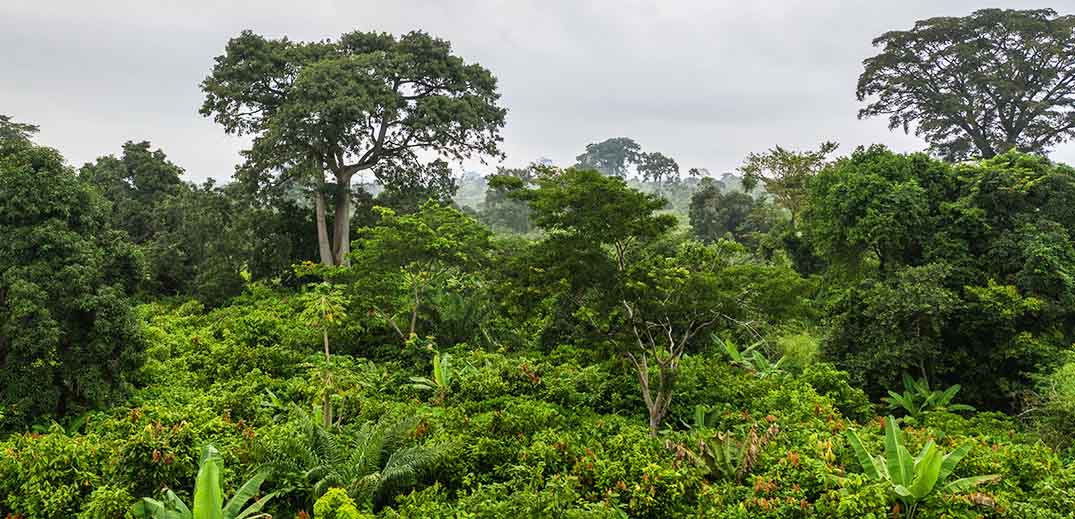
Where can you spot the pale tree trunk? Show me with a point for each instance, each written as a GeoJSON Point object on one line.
{"type": "Point", "coordinates": [326, 405]}
{"type": "Point", "coordinates": [324, 246]}
{"type": "Point", "coordinates": [414, 312]}
{"type": "Point", "coordinates": [341, 232]}
{"type": "Point", "coordinates": [657, 401]}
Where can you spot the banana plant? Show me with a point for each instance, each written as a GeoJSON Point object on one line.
{"type": "Point", "coordinates": [701, 413]}
{"type": "Point", "coordinates": [914, 479]}
{"type": "Point", "coordinates": [208, 496]}
{"type": "Point", "coordinates": [752, 360]}
{"type": "Point", "coordinates": [918, 398]}
{"type": "Point", "coordinates": [441, 383]}
{"type": "Point", "coordinates": [729, 457]}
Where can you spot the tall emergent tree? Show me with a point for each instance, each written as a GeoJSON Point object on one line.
{"type": "Point", "coordinates": [321, 112]}
{"type": "Point", "coordinates": [612, 156]}
{"type": "Point", "coordinates": [68, 339]}
{"type": "Point", "coordinates": [977, 85]}
{"type": "Point", "coordinates": [658, 168]}
{"type": "Point", "coordinates": [784, 173]}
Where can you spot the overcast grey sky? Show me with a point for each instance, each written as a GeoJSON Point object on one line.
{"type": "Point", "coordinates": [703, 81]}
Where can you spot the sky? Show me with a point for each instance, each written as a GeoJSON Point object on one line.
{"type": "Point", "coordinates": [703, 81]}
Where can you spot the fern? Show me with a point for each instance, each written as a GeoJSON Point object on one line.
{"type": "Point", "coordinates": [373, 464]}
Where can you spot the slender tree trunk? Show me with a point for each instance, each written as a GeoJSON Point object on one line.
{"type": "Point", "coordinates": [656, 404]}
{"type": "Point", "coordinates": [326, 405]}
{"type": "Point", "coordinates": [324, 246]}
{"type": "Point", "coordinates": [414, 313]}
{"type": "Point", "coordinates": [341, 233]}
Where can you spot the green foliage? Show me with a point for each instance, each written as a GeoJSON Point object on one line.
{"type": "Point", "coordinates": [199, 246]}
{"type": "Point", "coordinates": [404, 261]}
{"type": "Point", "coordinates": [208, 496]}
{"type": "Point", "coordinates": [1054, 416]}
{"type": "Point", "coordinates": [108, 501]}
{"type": "Point", "coordinates": [441, 383]}
{"type": "Point", "coordinates": [954, 272]}
{"type": "Point", "coordinates": [798, 350]}
{"type": "Point", "coordinates": [11, 131]}
{"type": "Point", "coordinates": [725, 456]}
{"type": "Point", "coordinates": [835, 384]}
{"type": "Point", "coordinates": [51, 476]}
{"type": "Point", "coordinates": [323, 309]}
{"type": "Point", "coordinates": [716, 214]}
{"type": "Point", "coordinates": [917, 398]}
{"type": "Point", "coordinates": [336, 504]}
{"type": "Point", "coordinates": [323, 111]}
{"type": "Point", "coordinates": [68, 339]}
{"type": "Point", "coordinates": [785, 173]}
{"type": "Point", "coordinates": [408, 186]}
{"type": "Point", "coordinates": [914, 479]}
{"type": "Point", "coordinates": [658, 168]}
{"type": "Point", "coordinates": [566, 203]}
{"type": "Point", "coordinates": [372, 462]}
{"type": "Point", "coordinates": [576, 370]}
{"type": "Point", "coordinates": [611, 157]}
{"type": "Point", "coordinates": [135, 184]}
{"type": "Point", "coordinates": [977, 85]}
{"type": "Point", "coordinates": [752, 359]}
{"type": "Point", "coordinates": [499, 210]}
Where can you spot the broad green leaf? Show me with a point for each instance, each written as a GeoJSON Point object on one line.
{"type": "Point", "coordinates": [148, 509]}
{"type": "Point", "coordinates": [897, 458]}
{"type": "Point", "coordinates": [925, 450]}
{"type": "Point", "coordinates": [952, 459]}
{"type": "Point", "coordinates": [245, 492]}
{"type": "Point", "coordinates": [926, 472]}
{"type": "Point", "coordinates": [173, 501]}
{"type": "Point", "coordinates": [867, 462]}
{"type": "Point", "coordinates": [901, 491]}
{"type": "Point", "coordinates": [252, 511]}
{"type": "Point", "coordinates": [208, 496]}
{"type": "Point", "coordinates": [964, 484]}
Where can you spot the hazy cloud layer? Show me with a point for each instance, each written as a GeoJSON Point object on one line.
{"type": "Point", "coordinates": [703, 81]}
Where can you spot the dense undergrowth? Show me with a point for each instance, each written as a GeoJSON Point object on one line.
{"type": "Point", "coordinates": [515, 434]}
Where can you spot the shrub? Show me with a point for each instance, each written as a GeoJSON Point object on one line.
{"type": "Point", "coordinates": [48, 476]}
{"type": "Point", "coordinates": [108, 501]}
{"type": "Point", "coordinates": [335, 504]}
{"type": "Point", "coordinates": [1055, 417]}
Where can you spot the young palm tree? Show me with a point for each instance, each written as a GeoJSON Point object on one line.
{"type": "Point", "coordinates": [372, 465]}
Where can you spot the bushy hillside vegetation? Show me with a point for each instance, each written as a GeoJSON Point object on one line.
{"type": "Point", "coordinates": [862, 335]}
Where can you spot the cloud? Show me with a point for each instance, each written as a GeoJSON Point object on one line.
{"type": "Point", "coordinates": [704, 81]}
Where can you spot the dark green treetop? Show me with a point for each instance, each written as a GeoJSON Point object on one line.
{"type": "Point", "coordinates": [612, 156]}
{"type": "Point", "coordinates": [68, 338]}
{"type": "Point", "coordinates": [977, 85]}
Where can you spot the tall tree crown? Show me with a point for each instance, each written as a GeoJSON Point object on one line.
{"type": "Point", "coordinates": [351, 104]}
{"type": "Point", "coordinates": [977, 85]}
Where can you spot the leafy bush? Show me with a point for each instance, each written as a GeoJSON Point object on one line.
{"type": "Point", "coordinates": [108, 501]}
{"type": "Point", "coordinates": [1055, 417]}
{"type": "Point", "coordinates": [336, 504]}
{"type": "Point", "coordinates": [49, 476]}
